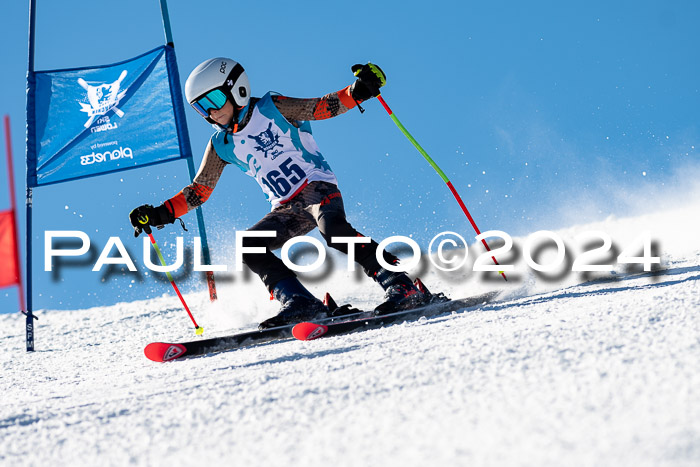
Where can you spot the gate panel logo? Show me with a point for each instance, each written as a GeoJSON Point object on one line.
{"type": "Point", "coordinates": [102, 98]}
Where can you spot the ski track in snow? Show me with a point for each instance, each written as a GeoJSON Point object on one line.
{"type": "Point", "coordinates": [605, 372]}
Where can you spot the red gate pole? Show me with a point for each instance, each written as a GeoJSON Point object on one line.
{"type": "Point", "coordinates": [13, 204]}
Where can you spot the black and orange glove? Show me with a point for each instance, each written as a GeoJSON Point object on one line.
{"type": "Point", "coordinates": [143, 217]}
{"type": "Point", "coordinates": [369, 79]}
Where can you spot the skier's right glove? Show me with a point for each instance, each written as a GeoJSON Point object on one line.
{"type": "Point", "coordinates": [369, 79]}
{"type": "Point", "coordinates": [143, 217]}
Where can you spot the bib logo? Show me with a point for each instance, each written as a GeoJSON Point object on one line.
{"type": "Point", "coordinates": [267, 141]}
{"type": "Point", "coordinates": [102, 98]}
{"type": "Point", "coordinates": [107, 155]}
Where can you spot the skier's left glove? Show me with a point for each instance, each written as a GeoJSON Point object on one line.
{"type": "Point", "coordinates": [369, 79]}
{"type": "Point", "coordinates": [143, 217]}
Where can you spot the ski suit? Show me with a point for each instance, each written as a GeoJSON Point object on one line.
{"type": "Point", "coordinates": [274, 145]}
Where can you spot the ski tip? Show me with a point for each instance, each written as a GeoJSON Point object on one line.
{"type": "Point", "coordinates": [308, 331]}
{"type": "Point", "coordinates": [163, 352]}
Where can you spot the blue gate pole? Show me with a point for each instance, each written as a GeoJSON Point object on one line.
{"type": "Point", "coordinates": [31, 152]}
{"type": "Point", "coordinates": [185, 140]}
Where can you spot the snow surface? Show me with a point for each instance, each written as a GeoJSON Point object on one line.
{"type": "Point", "coordinates": [581, 370]}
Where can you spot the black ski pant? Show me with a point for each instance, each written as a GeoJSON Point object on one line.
{"type": "Point", "coordinates": [319, 204]}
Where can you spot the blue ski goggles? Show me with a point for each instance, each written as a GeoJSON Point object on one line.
{"type": "Point", "coordinates": [212, 100]}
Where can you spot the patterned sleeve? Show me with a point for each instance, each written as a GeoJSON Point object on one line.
{"type": "Point", "coordinates": [199, 190]}
{"type": "Point", "coordinates": [317, 108]}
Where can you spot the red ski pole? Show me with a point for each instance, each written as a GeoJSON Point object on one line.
{"type": "Point", "coordinates": [198, 329]}
{"type": "Point", "coordinates": [439, 172]}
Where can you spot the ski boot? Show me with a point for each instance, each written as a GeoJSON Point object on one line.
{"type": "Point", "coordinates": [298, 304]}
{"type": "Point", "coordinates": [400, 292]}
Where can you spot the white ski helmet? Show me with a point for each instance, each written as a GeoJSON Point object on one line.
{"type": "Point", "coordinates": [219, 73]}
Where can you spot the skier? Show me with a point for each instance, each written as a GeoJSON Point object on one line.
{"type": "Point", "coordinates": [269, 138]}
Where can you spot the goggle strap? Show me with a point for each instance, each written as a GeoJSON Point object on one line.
{"type": "Point", "coordinates": [233, 76]}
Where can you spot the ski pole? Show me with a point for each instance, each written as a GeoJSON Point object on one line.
{"type": "Point", "coordinates": [439, 172]}
{"type": "Point", "coordinates": [198, 329]}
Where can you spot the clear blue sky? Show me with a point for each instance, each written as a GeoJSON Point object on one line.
{"type": "Point", "coordinates": [535, 110]}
